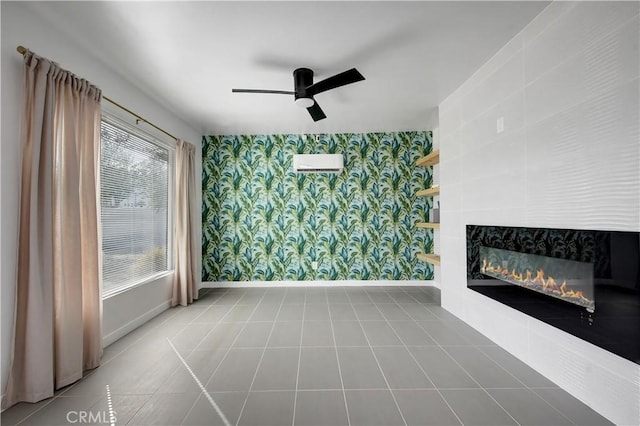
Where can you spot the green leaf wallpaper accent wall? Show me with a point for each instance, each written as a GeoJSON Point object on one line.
{"type": "Point", "coordinates": [263, 222]}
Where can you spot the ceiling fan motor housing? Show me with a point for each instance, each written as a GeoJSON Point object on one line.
{"type": "Point", "coordinates": [302, 78]}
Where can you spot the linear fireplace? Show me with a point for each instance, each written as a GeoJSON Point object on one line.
{"type": "Point", "coordinates": [586, 283]}
{"type": "Point", "coordinates": [546, 275]}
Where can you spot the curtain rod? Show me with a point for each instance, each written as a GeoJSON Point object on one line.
{"type": "Point", "coordinates": [22, 50]}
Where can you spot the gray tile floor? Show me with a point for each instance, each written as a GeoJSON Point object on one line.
{"type": "Point", "coordinates": [309, 356]}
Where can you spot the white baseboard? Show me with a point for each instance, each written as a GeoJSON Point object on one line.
{"type": "Point", "coordinates": [134, 323]}
{"type": "Point", "coordinates": [343, 283]}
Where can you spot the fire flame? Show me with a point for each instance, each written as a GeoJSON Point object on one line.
{"type": "Point", "coordinates": [539, 282]}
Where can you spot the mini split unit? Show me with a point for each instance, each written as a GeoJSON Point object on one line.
{"type": "Point", "coordinates": [318, 163]}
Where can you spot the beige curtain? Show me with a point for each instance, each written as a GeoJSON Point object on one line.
{"type": "Point", "coordinates": [57, 329]}
{"type": "Point", "coordinates": [185, 281]}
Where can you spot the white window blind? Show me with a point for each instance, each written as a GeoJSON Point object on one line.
{"type": "Point", "coordinates": [134, 192]}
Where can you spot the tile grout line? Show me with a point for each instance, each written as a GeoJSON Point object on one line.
{"type": "Point", "coordinates": [529, 388]}
{"type": "Point", "coordinates": [228, 349]}
{"type": "Point", "coordinates": [192, 322]}
{"type": "Point", "coordinates": [335, 344]}
{"type": "Point", "coordinates": [460, 365]}
{"type": "Point", "coordinates": [205, 336]}
{"type": "Point", "coordinates": [202, 389]}
{"type": "Point", "coordinates": [478, 347]}
{"type": "Point", "coordinates": [215, 326]}
{"type": "Point", "coordinates": [34, 412]}
{"type": "Point", "coordinates": [376, 359]}
{"type": "Point", "coordinates": [524, 385]}
{"type": "Point", "coordinates": [295, 395]}
{"type": "Point", "coordinates": [349, 389]}
{"type": "Point", "coordinates": [557, 409]}
{"type": "Point", "coordinates": [187, 324]}
{"type": "Point", "coordinates": [236, 339]}
{"type": "Point", "coordinates": [119, 353]}
{"type": "Point", "coordinates": [454, 360]}
{"type": "Point", "coordinates": [221, 320]}
{"type": "Point", "coordinates": [480, 386]}
{"type": "Point", "coordinates": [416, 361]}
{"type": "Point", "coordinates": [264, 350]}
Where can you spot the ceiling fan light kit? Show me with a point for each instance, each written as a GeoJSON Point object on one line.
{"type": "Point", "coordinates": [304, 102]}
{"type": "Point", "coordinates": [305, 89]}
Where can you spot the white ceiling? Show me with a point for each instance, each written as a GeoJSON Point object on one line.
{"type": "Point", "coordinates": [189, 55]}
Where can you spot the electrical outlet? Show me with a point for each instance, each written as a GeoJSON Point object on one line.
{"type": "Point", "coordinates": [314, 266]}
{"type": "Point", "coordinates": [500, 125]}
{"type": "Point", "coordinates": [317, 138]}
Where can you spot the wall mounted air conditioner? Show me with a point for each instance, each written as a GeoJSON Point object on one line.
{"type": "Point", "coordinates": [318, 163]}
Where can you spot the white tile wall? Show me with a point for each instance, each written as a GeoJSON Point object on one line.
{"type": "Point", "coordinates": [568, 88]}
{"type": "Point", "coordinates": [451, 199]}
{"type": "Point", "coordinates": [513, 331]}
{"type": "Point", "coordinates": [591, 72]}
{"type": "Point", "coordinates": [504, 81]}
{"type": "Point", "coordinates": [585, 150]}
{"type": "Point", "coordinates": [543, 21]}
{"type": "Point", "coordinates": [585, 26]}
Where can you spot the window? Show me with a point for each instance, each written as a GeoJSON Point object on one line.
{"type": "Point", "coordinates": [135, 175]}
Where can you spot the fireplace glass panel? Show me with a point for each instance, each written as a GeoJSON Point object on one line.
{"type": "Point", "coordinates": [566, 280]}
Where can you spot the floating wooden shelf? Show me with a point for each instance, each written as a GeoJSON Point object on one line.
{"type": "Point", "coordinates": [431, 258]}
{"type": "Point", "coordinates": [430, 159]}
{"type": "Point", "coordinates": [432, 225]}
{"type": "Point", "coordinates": [429, 192]}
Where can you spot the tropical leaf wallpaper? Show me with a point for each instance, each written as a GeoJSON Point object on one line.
{"type": "Point", "coordinates": [263, 222]}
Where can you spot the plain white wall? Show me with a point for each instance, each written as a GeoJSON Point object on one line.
{"type": "Point", "coordinates": [569, 157]}
{"type": "Point", "coordinates": [22, 24]}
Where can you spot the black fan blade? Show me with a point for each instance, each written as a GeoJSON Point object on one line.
{"type": "Point", "coordinates": [316, 112]}
{"type": "Point", "coordinates": [342, 79]}
{"type": "Point", "coordinates": [277, 92]}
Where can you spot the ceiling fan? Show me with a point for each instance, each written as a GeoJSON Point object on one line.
{"type": "Point", "coordinates": [305, 89]}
